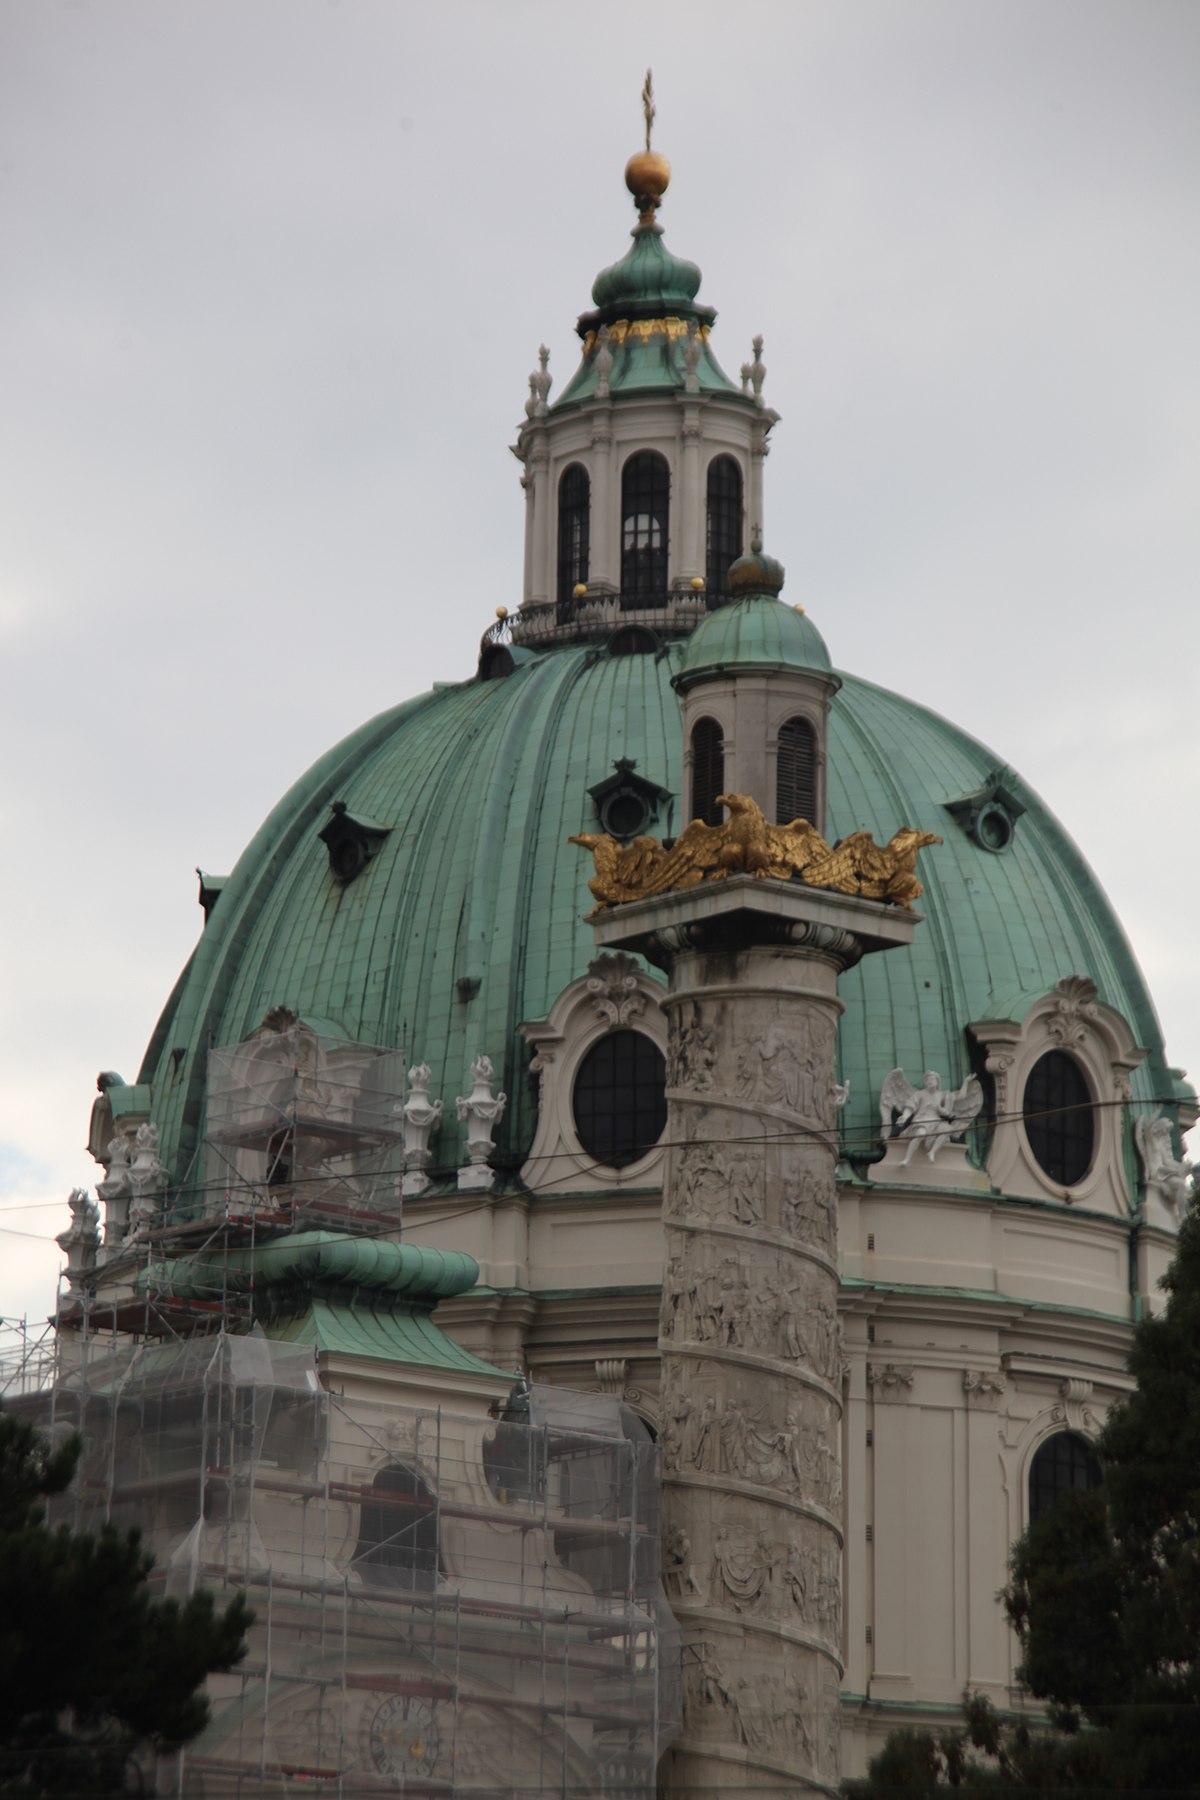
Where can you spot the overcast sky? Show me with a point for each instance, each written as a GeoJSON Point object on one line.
{"type": "Point", "coordinates": [275, 273]}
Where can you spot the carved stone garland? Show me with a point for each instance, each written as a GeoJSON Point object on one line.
{"type": "Point", "coordinates": [751, 1369]}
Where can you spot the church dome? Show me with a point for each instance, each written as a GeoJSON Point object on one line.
{"type": "Point", "coordinates": [463, 917]}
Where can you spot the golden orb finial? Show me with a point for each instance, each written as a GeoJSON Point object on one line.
{"type": "Point", "coordinates": [648, 174]}
{"type": "Point", "coordinates": [502, 612]}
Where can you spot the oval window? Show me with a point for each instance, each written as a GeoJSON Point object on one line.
{"type": "Point", "coordinates": [1057, 1112]}
{"type": "Point", "coordinates": [620, 1098]}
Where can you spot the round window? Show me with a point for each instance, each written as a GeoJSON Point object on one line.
{"type": "Point", "coordinates": [620, 1098]}
{"type": "Point", "coordinates": [624, 813]}
{"type": "Point", "coordinates": [1058, 1117]}
{"type": "Point", "coordinates": [993, 828]}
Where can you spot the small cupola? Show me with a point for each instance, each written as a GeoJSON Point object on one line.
{"type": "Point", "coordinates": [643, 477]}
{"type": "Point", "coordinates": [756, 683]}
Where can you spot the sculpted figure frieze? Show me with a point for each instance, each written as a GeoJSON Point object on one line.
{"type": "Point", "coordinates": [718, 1181]}
{"type": "Point", "coordinates": [809, 1208]}
{"type": "Point", "coordinates": [788, 1069]}
{"type": "Point", "coordinates": [691, 1053]}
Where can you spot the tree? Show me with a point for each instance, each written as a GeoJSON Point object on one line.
{"type": "Point", "coordinates": [93, 1670]}
{"type": "Point", "coordinates": [1104, 1595]}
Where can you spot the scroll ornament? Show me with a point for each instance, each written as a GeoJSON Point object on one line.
{"type": "Point", "coordinates": [748, 844]}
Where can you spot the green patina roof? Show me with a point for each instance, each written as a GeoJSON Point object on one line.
{"type": "Point", "coordinates": [647, 286]}
{"type": "Point", "coordinates": [356, 1296]}
{"type": "Point", "coordinates": [647, 279]}
{"type": "Point", "coordinates": [476, 883]}
{"type": "Point", "coordinates": [759, 632]}
{"type": "Point", "coordinates": [342, 1329]}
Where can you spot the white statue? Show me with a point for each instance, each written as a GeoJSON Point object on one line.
{"type": "Point", "coordinates": [422, 1117]}
{"type": "Point", "coordinates": [1162, 1169]}
{"type": "Point", "coordinates": [81, 1239]}
{"type": "Point", "coordinates": [116, 1190]}
{"type": "Point", "coordinates": [481, 1113]}
{"type": "Point", "coordinates": [841, 1093]}
{"type": "Point", "coordinates": [148, 1178]}
{"type": "Point", "coordinates": [927, 1115]}
{"type": "Point", "coordinates": [691, 358]}
{"type": "Point", "coordinates": [604, 363]}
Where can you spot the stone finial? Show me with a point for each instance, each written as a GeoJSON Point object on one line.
{"type": "Point", "coordinates": [1169, 1179]}
{"type": "Point", "coordinates": [757, 370]}
{"type": "Point", "coordinates": [80, 1242]}
{"type": "Point", "coordinates": [745, 378]}
{"type": "Point", "coordinates": [422, 1117]}
{"type": "Point", "coordinates": [481, 1113]}
{"type": "Point", "coordinates": [691, 358]}
{"type": "Point", "coordinates": [148, 1179]}
{"type": "Point", "coordinates": [604, 363]}
{"type": "Point", "coordinates": [540, 383]}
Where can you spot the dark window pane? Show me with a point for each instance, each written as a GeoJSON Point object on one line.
{"type": "Point", "coordinates": [1058, 1117]}
{"type": "Point", "coordinates": [620, 1098]}
{"type": "Point", "coordinates": [398, 1532]}
{"type": "Point", "coordinates": [796, 773]}
{"type": "Point", "coordinates": [645, 528]}
{"type": "Point", "coordinates": [574, 526]}
{"type": "Point", "coordinates": [724, 524]}
{"type": "Point", "coordinates": [1062, 1462]}
{"type": "Point", "coordinates": [708, 770]}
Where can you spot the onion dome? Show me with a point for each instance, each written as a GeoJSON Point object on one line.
{"type": "Point", "coordinates": [646, 312]}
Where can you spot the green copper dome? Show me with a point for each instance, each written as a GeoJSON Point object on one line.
{"type": "Point", "coordinates": [647, 279]}
{"type": "Point", "coordinates": [645, 307]}
{"type": "Point", "coordinates": [756, 633]}
{"type": "Point", "coordinates": [467, 917]}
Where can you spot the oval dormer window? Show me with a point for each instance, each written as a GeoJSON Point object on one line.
{"type": "Point", "coordinates": [1057, 1115]}
{"type": "Point", "coordinates": [620, 1098]}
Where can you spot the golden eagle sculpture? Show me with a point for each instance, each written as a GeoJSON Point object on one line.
{"type": "Point", "coordinates": [748, 844]}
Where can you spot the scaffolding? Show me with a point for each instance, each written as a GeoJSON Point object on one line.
{"type": "Point", "coordinates": [304, 1126]}
{"type": "Point", "coordinates": [446, 1603]}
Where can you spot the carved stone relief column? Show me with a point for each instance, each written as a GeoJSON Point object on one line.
{"type": "Point", "coordinates": [751, 1356]}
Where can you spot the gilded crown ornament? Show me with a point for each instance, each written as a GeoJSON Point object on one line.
{"type": "Point", "coordinates": [748, 844]}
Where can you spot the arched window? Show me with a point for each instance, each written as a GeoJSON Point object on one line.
{"type": "Point", "coordinates": [724, 524]}
{"type": "Point", "coordinates": [796, 773]}
{"type": "Point", "coordinates": [1064, 1461]}
{"type": "Point", "coordinates": [645, 528]}
{"type": "Point", "coordinates": [1057, 1111]}
{"type": "Point", "coordinates": [574, 529]}
{"type": "Point", "coordinates": [620, 1098]}
{"type": "Point", "coordinates": [398, 1532]}
{"type": "Point", "coordinates": [708, 770]}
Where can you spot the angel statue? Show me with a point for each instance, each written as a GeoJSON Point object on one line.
{"type": "Point", "coordinates": [927, 1115]}
{"type": "Point", "coordinates": [1161, 1166]}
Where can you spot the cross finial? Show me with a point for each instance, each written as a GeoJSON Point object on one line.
{"type": "Point", "coordinates": [648, 106]}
